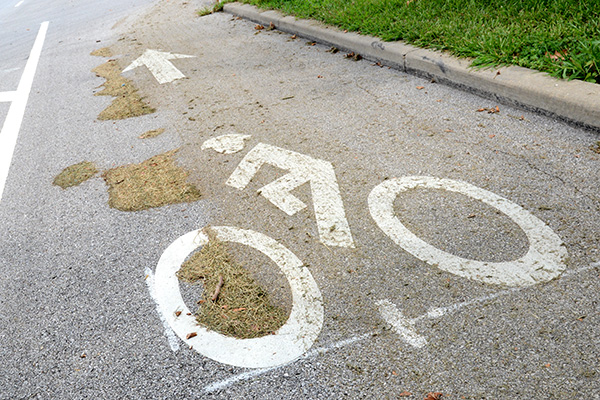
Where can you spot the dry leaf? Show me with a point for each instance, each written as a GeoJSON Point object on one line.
{"type": "Point", "coordinates": [271, 26]}
{"type": "Point", "coordinates": [259, 27]}
{"type": "Point", "coordinates": [434, 396]}
{"type": "Point", "coordinates": [319, 76]}
{"type": "Point", "coordinates": [405, 394]}
{"type": "Point", "coordinates": [420, 87]}
{"type": "Point", "coordinates": [177, 313]}
{"type": "Point", "coordinates": [293, 37]}
{"type": "Point", "coordinates": [191, 335]}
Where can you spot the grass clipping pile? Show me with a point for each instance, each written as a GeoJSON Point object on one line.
{"type": "Point", "coordinates": [155, 182]}
{"type": "Point", "coordinates": [232, 303]}
{"type": "Point", "coordinates": [127, 102]}
{"type": "Point", "coordinates": [75, 174]}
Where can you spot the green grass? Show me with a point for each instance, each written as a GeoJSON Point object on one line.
{"type": "Point", "coordinates": [561, 37]}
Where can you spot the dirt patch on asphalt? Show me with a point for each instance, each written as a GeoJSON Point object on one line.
{"type": "Point", "coordinates": [127, 102]}
{"type": "Point", "coordinates": [155, 182]}
{"type": "Point", "coordinates": [232, 302]}
{"type": "Point", "coordinates": [75, 174]}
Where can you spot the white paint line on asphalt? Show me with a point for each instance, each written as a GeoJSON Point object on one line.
{"type": "Point", "coordinates": [393, 315]}
{"type": "Point", "coordinates": [213, 387]}
{"type": "Point", "coordinates": [328, 205]}
{"type": "Point", "coordinates": [19, 3]}
{"type": "Point", "coordinates": [543, 262]}
{"type": "Point", "coordinates": [158, 63]}
{"type": "Point", "coordinates": [7, 96]}
{"type": "Point", "coordinates": [432, 314]}
{"type": "Point", "coordinates": [290, 341]}
{"type": "Point", "coordinates": [403, 326]}
{"type": "Point", "coordinates": [12, 124]}
{"type": "Point", "coordinates": [226, 144]}
{"type": "Point", "coordinates": [150, 282]}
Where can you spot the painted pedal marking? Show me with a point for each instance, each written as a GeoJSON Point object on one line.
{"type": "Point", "coordinates": [544, 261]}
{"type": "Point", "coordinates": [329, 209]}
{"type": "Point", "coordinates": [292, 340]}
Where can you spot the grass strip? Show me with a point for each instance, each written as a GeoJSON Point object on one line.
{"type": "Point", "coordinates": [561, 37]}
{"type": "Point", "coordinates": [242, 308]}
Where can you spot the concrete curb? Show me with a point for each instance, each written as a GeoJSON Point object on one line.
{"type": "Point", "coordinates": [574, 101]}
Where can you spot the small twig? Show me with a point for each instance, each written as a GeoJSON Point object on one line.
{"type": "Point", "coordinates": [217, 289]}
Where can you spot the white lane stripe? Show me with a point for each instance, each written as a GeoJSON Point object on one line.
{"type": "Point", "coordinates": [12, 124]}
{"type": "Point", "coordinates": [433, 313]}
{"type": "Point", "coordinates": [173, 343]}
{"type": "Point", "coordinates": [405, 327]}
{"type": "Point", "coordinates": [313, 353]}
{"type": "Point", "coordinates": [19, 3]}
{"type": "Point", "coordinates": [7, 96]}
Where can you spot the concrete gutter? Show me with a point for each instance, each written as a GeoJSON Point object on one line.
{"type": "Point", "coordinates": [574, 101]}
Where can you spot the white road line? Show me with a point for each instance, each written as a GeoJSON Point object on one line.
{"type": "Point", "coordinates": [313, 353]}
{"type": "Point", "coordinates": [173, 343]}
{"type": "Point", "coordinates": [19, 3]}
{"type": "Point", "coordinates": [7, 96]}
{"type": "Point", "coordinates": [405, 327]}
{"type": "Point", "coordinates": [12, 124]}
{"type": "Point", "coordinates": [433, 313]}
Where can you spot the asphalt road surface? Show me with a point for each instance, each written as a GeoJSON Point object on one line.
{"type": "Point", "coordinates": [422, 238]}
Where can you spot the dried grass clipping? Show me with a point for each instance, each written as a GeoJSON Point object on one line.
{"type": "Point", "coordinates": [155, 182]}
{"type": "Point", "coordinates": [242, 309]}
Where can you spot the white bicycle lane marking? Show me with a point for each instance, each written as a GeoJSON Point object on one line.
{"type": "Point", "coordinates": [18, 99]}
{"type": "Point", "coordinates": [290, 341]}
{"type": "Point", "coordinates": [328, 205]}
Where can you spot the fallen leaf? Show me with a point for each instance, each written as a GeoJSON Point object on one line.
{"type": "Point", "coordinates": [319, 76]}
{"type": "Point", "coordinates": [492, 136]}
{"type": "Point", "coordinates": [293, 37]}
{"type": "Point", "coordinates": [311, 43]}
{"type": "Point", "coordinates": [177, 313]}
{"type": "Point", "coordinates": [353, 56]}
{"type": "Point", "coordinates": [190, 335]}
{"type": "Point", "coordinates": [378, 64]}
{"type": "Point", "coordinates": [405, 394]}
{"type": "Point", "coordinates": [239, 309]}
{"type": "Point", "coordinates": [420, 87]}
{"type": "Point", "coordinates": [434, 396]}
{"type": "Point", "coordinates": [547, 365]}
{"type": "Point", "coordinates": [481, 109]}
{"type": "Point", "coordinates": [259, 27]}
{"type": "Point", "coordinates": [271, 26]}
{"type": "Point", "coordinates": [394, 373]}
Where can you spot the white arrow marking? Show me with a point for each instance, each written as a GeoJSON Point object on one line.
{"type": "Point", "coordinates": [158, 63]}
{"type": "Point", "coordinates": [329, 208]}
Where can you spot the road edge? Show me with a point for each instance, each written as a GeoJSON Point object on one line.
{"type": "Point", "coordinates": [575, 102]}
